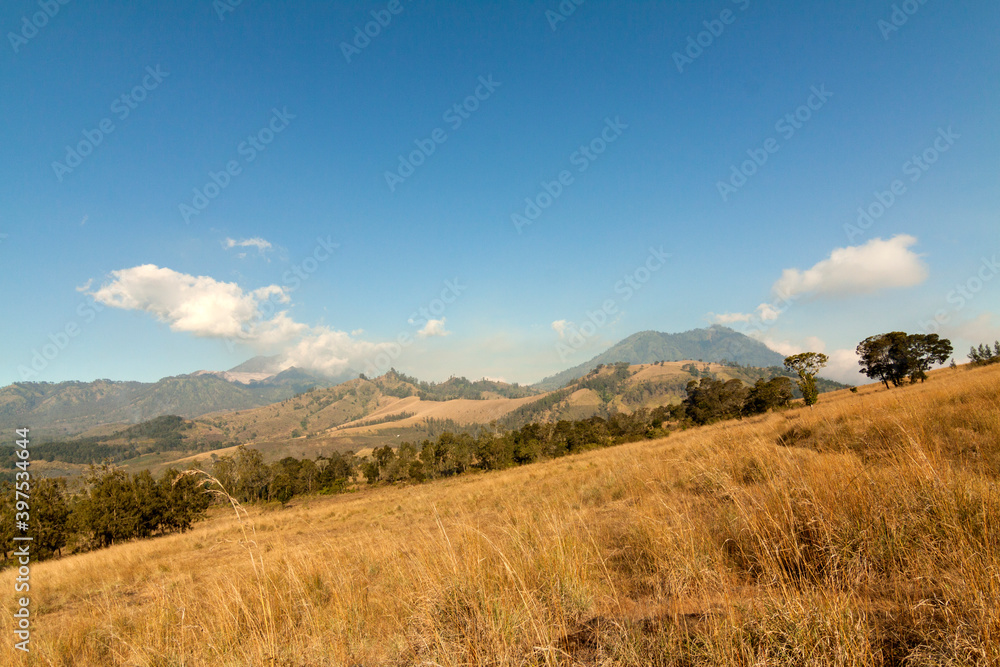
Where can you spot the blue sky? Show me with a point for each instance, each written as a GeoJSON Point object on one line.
{"type": "Point", "coordinates": [236, 200]}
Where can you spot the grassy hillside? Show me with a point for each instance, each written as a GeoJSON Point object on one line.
{"type": "Point", "coordinates": [860, 532]}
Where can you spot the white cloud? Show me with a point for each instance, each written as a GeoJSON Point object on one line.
{"type": "Point", "coordinates": [206, 307]}
{"type": "Point", "coordinates": [332, 352]}
{"type": "Point", "coordinates": [765, 312]}
{"type": "Point", "coordinates": [433, 329]}
{"type": "Point", "coordinates": [854, 270]}
{"type": "Point", "coordinates": [843, 367]}
{"type": "Point", "coordinates": [863, 269]}
{"type": "Point", "coordinates": [262, 245]}
{"type": "Point", "coordinates": [561, 327]}
{"type": "Point", "coordinates": [788, 348]}
{"type": "Point", "coordinates": [86, 286]}
{"type": "Point", "coordinates": [199, 305]}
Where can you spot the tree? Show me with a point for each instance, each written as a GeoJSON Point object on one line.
{"type": "Point", "coordinates": [108, 511]}
{"type": "Point", "coordinates": [185, 500]}
{"type": "Point", "coordinates": [806, 365]}
{"type": "Point", "coordinates": [711, 400]}
{"type": "Point", "coordinates": [926, 350]}
{"type": "Point", "coordinates": [894, 356]}
{"type": "Point", "coordinates": [767, 395]}
{"type": "Point", "coordinates": [49, 521]}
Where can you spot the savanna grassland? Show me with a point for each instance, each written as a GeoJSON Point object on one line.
{"type": "Point", "coordinates": [864, 531]}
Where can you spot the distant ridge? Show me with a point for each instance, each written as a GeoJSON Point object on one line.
{"type": "Point", "coordinates": [714, 344]}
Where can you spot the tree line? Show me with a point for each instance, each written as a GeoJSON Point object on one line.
{"type": "Point", "coordinates": [113, 507]}
{"type": "Point", "coordinates": [984, 355]}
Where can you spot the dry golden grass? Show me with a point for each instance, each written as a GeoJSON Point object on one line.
{"type": "Point", "coordinates": [864, 531]}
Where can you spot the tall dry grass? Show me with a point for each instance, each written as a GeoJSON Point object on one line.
{"type": "Point", "coordinates": [864, 531]}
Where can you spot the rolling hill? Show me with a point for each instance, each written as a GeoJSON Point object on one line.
{"type": "Point", "coordinates": [713, 345]}
{"type": "Point", "coordinates": [363, 413]}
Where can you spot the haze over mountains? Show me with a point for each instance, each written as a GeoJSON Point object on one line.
{"type": "Point", "coordinates": [67, 408]}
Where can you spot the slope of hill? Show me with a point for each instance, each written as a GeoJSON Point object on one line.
{"type": "Point", "coordinates": [715, 344]}
{"type": "Point", "coordinates": [859, 532]}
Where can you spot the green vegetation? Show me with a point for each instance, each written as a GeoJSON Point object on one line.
{"type": "Point", "coordinates": [246, 477]}
{"type": "Point", "coordinates": [893, 357]}
{"type": "Point", "coordinates": [162, 434]}
{"type": "Point", "coordinates": [49, 518]}
{"type": "Point", "coordinates": [713, 400]}
{"type": "Point", "coordinates": [113, 507]}
{"type": "Point", "coordinates": [983, 355]}
{"type": "Point", "coordinates": [807, 365]}
{"type": "Point", "coordinates": [453, 454]}
{"type": "Point", "coordinates": [395, 417]}
{"type": "Point", "coordinates": [449, 390]}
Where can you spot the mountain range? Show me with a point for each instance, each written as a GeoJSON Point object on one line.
{"type": "Point", "coordinates": [67, 408]}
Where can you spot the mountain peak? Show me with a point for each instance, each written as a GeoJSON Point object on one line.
{"type": "Point", "coordinates": [713, 344]}
{"type": "Point", "coordinates": [271, 365]}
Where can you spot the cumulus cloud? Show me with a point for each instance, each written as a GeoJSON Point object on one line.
{"type": "Point", "coordinates": [199, 305]}
{"type": "Point", "coordinates": [331, 352]}
{"type": "Point", "coordinates": [854, 270]}
{"type": "Point", "coordinates": [561, 327]}
{"type": "Point", "coordinates": [843, 367]}
{"type": "Point", "coordinates": [788, 348]}
{"type": "Point", "coordinates": [262, 245]}
{"type": "Point", "coordinates": [876, 265]}
{"type": "Point", "coordinates": [765, 312]}
{"type": "Point", "coordinates": [433, 329]}
{"type": "Point", "coordinates": [205, 307]}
